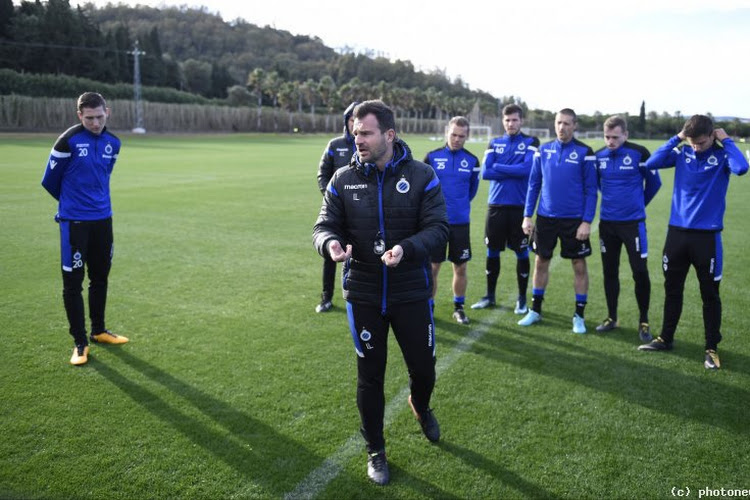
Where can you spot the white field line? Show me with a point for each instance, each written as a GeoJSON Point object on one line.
{"type": "Point", "coordinates": [317, 480]}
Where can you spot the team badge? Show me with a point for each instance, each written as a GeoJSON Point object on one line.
{"type": "Point", "coordinates": [627, 160]}
{"type": "Point", "coordinates": [108, 149]}
{"type": "Point", "coordinates": [573, 156]}
{"type": "Point", "coordinates": [712, 160]}
{"type": "Point", "coordinates": [403, 186]}
{"type": "Point", "coordinates": [464, 163]}
{"type": "Point", "coordinates": [521, 147]}
{"type": "Point", "coordinates": [365, 335]}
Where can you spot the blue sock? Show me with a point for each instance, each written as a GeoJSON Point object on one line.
{"type": "Point", "coordinates": [458, 302]}
{"type": "Point", "coordinates": [581, 299]}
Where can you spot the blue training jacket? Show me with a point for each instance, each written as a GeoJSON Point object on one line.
{"type": "Point", "coordinates": [625, 183]}
{"type": "Point", "coordinates": [701, 181]}
{"type": "Point", "coordinates": [565, 177]}
{"type": "Point", "coordinates": [458, 172]}
{"type": "Point", "coordinates": [507, 164]}
{"type": "Point", "coordinates": [78, 171]}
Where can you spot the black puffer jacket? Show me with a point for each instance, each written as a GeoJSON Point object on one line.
{"type": "Point", "coordinates": [374, 211]}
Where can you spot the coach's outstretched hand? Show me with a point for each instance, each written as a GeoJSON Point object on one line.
{"type": "Point", "coordinates": [337, 253]}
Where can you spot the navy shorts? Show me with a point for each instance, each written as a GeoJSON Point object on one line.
{"type": "Point", "coordinates": [503, 228]}
{"type": "Point", "coordinates": [458, 245]}
{"type": "Point", "coordinates": [548, 230]}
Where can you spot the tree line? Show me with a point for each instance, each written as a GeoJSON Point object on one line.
{"type": "Point", "coordinates": [237, 63]}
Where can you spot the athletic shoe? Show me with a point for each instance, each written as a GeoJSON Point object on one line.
{"type": "Point", "coordinates": [610, 324]}
{"type": "Point", "coordinates": [644, 332]}
{"type": "Point", "coordinates": [521, 307]}
{"type": "Point", "coordinates": [484, 303]}
{"type": "Point", "coordinates": [377, 468]}
{"type": "Point", "coordinates": [460, 316]}
{"type": "Point", "coordinates": [658, 344]}
{"type": "Point", "coordinates": [712, 360]}
{"type": "Point", "coordinates": [80, 355]}
{"type": "Point", "coordinates": [107, 337]}
{"type": "Point", "coordinates": [578, 324]}
{"type": "Point", "coordinates": [530, 318]}
{"type": "Point", "coordinates": [427, 421]}
{"type": "Point", "coordinates": [324, 306]}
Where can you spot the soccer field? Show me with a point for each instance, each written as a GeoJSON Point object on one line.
{"type": "Point", "coordinates": [232, 387]}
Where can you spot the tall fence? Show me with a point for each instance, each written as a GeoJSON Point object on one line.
{"type": "Point", "coordinates": [42, 114]}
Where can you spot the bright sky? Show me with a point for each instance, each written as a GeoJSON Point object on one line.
{"type": "Point", "coordinates": [689, 56]}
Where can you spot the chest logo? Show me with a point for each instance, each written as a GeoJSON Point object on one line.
{"type": "Point", "coordinates": [712, 160]}
{"type": "Point", "coordinates": [403, 186]}
{"type": "Point", "coordinates": [521, 146]}
{"type": "Point", "coordinates": [108, 149]}
{"type": "Point", "coordinates": [464, 163]}
{"type": "Point", "coordinates": [627, 160]}
{"type": "Point", "coordinates": [573, 156]}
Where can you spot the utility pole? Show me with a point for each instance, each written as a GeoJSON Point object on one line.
{"type": "Point", "coordinates": [139, 128]}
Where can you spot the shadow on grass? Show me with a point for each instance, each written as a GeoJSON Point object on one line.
{"type": "Point", "coordinates": [690, 351]}
{"type": "Point", "coordinates": [504, 476]}
{"type": "Point", "coordinates": [255, 450]}
{"type": "Point", "coordinates": [701, 398]}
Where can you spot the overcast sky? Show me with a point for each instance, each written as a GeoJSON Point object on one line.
{"type": "Point", "coordinates": [689, 56]}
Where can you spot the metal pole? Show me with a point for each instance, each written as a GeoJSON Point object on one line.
{"type": "Point", "coordinates": [139, 128]}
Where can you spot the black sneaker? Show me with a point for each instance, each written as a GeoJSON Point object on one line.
{"type": "Point", "coordinates": [460, 316]}
{"type": "Point", "coordinates": [712, 360]}
{"type": "Point", "coordinates": [324, 306]}
{"type": "Point", "coordinates": [608, 325]}
{"type": "Point", "coordinates": [377, 468]}
{"type": "Point", "coordinates": [428, 422]}
{"type": "Point", "coordinates": [644, 332]}
{"type": "Point", "coordinates": [658, 344]}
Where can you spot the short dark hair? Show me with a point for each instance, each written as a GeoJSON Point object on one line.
{"type": "Point", "coordinates": [460, 121]}
{"type": "Point", "coordinates": [512, 109]}
{"type": "Point", "coordinates": [569, 112]}
{"type": "Point", "coordinates": [91, 100]}
{"type": "Point", "coordinates": [698, 125]}
{"type": "Point", "coordinates": [382, 113]}
{"type": "Point", "coordinates": [616, 121]}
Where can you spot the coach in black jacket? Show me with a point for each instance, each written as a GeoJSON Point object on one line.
{"type": "Point", "coordinates": [382, 216]}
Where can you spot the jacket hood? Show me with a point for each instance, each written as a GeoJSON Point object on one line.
{"type": "Point", "coordinates": [348, 114]}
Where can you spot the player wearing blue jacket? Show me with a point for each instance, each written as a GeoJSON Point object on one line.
{"type": "Point", "coordinates": [626, 187]}
{"type": "Point", "coordinates": [702, 170]}
{"type": "Point", "coordinates": [563, 181]}
{"type": "Point", "coordinates": [458, 171]}
{"type": "Point", "coordinates": [77, 175]}
{"type": "Point", "coordinates": [507, 164]}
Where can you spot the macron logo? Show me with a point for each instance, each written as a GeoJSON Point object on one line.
{"type": "Point", "coordinates": [355, 186]}
{"type": "Point", "coordinates": [52, 164]}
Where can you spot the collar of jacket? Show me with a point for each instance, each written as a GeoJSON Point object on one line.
{"type": "Point", "coordinates": [401, 154]}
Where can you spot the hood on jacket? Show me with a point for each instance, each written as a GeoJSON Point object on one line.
{"type": "Point", "coordinates": [348, 114]}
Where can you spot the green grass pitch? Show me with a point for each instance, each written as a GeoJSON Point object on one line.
{"type": "Point", "coordinates": [232, 387]}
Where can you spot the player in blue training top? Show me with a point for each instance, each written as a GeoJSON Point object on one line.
{"type": "Point", "coordinates": [626, 187]}
{"type": "Point", "coordinates": [563, 180]}
{"type": "Point", "coordinates": [701, 179]}
{"type": "Point", "coordinates": [77, 175]}
{"type": "Point", "coordinates": [507, 164]}
{"type": "Point", "coordinates": [458, 171]}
